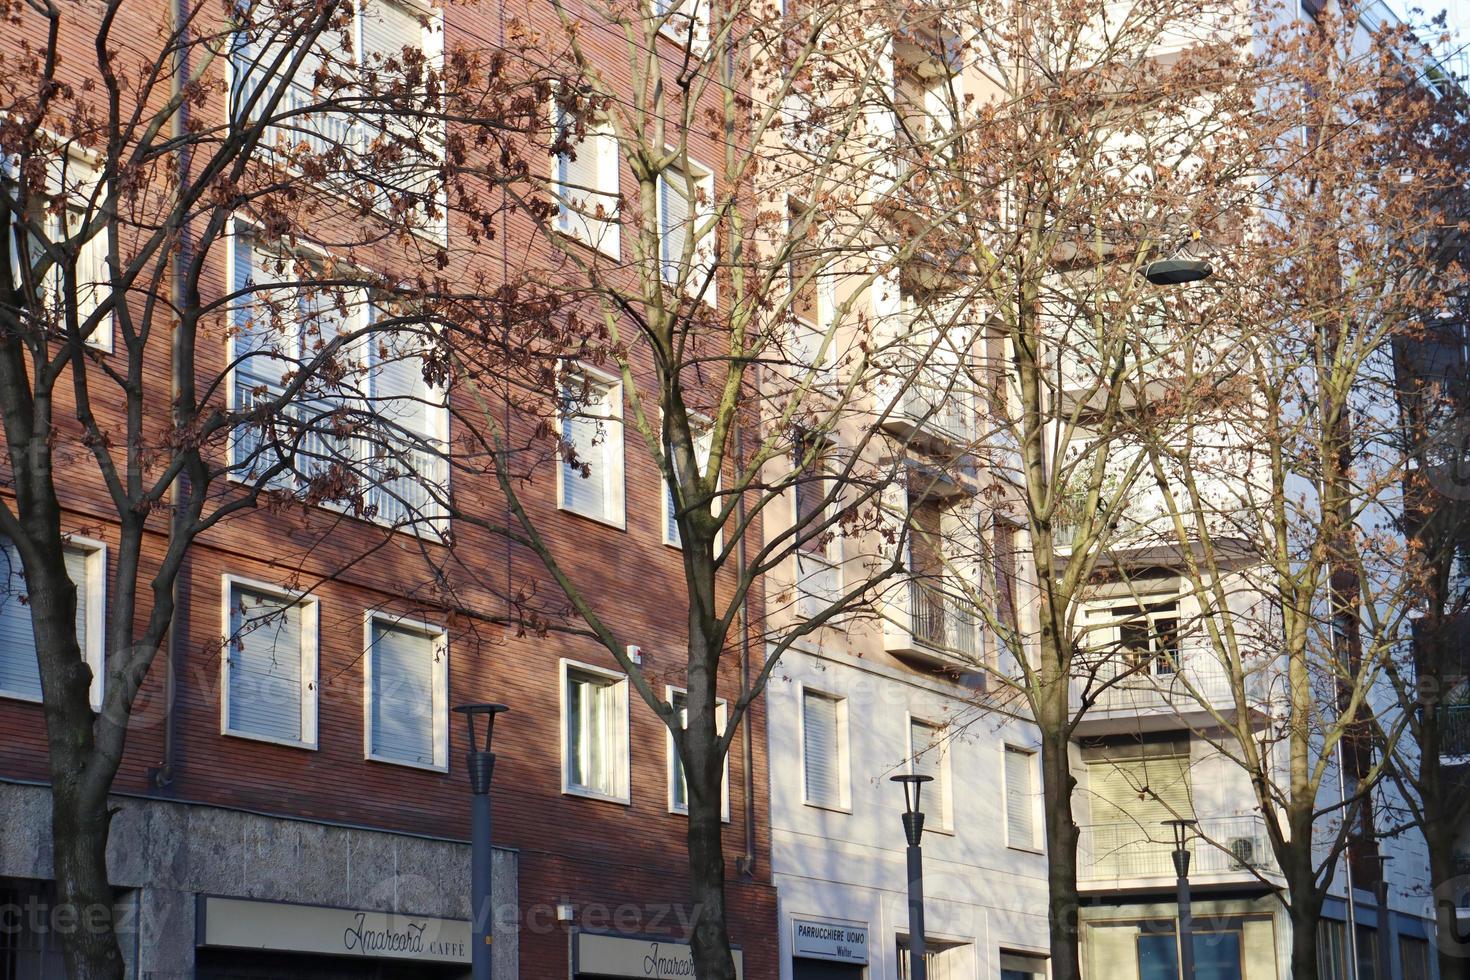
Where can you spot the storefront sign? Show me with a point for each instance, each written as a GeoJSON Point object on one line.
{"type": "Point", "coordinates": [829, 941]}
{"type": "Point", "coordinates": [245, 924]}
{"type": "Point", "coordinates": [621, 956]}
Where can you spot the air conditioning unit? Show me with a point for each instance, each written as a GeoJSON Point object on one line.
{"type": "Point", "coordinates": [1242, 852]}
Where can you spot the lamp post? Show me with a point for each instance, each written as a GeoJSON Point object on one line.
{"type": "Point", "coordinates": [913, 831]}
{"type": "Point", "coordinates": [1385, 927]}
{"type": "Point", "coordinates": [481, 765]}
{"type": "Point", "coordinates": [1181, 829]}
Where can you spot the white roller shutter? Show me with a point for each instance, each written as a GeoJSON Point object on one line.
{"type": "Point", "coordinates": [822, 762]}
{"type": "Point", "coordinates": [403, 708]}
{"type": "Point", "coordinates": [265, 666]}
{"type": "Point", "coordinates": [1020, 798]}
{"type": "Point", "coordinates": [20, 674]}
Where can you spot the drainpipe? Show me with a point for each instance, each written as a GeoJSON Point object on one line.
{"type": "Point", "coordinates": [746, 864]}
{"type": "Point", "coordinates": [162, 776]}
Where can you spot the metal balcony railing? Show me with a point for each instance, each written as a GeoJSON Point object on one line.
{"type": "Point", "coordinates": [942, 621]}
{"type": "Point", "coordinates": [1226, 845]}
{"type": "Point", "coordinates": [1454, 729]}
{"type": "Point", "coordinates": [1184, 679]}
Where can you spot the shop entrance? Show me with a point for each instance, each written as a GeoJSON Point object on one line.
{"type": "Point", "coordinates": [803, 968]}
{"type": "Point", "coordinates": [235, 964]}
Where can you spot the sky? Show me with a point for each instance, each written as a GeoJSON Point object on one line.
{"type": "Point", "coordinates": [1459, 13]}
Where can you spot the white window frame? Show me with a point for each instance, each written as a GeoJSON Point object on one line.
{"type": "Point", "coordinates": [602, 235]}
{"type": "Point", "coordinates": [624, 770]}
{"type": "Point", "coordinates": [74, 176]}
{"type": "Point", "coordinates": [844, 749]}
{"type": "Point", "coordinates": [432, 46]}
{"type": "Point", "coordinates": [700, 212]}
{"type": "Point", "coordinates": [944, 822]}
{"type": "Point", "coordinates": [671, 759]}
{"type": "Point", "coordinates": [310, 666]}
{"type": "Point", "coordinates": [824, 283]}
{"type": "Point", "coordinates": [439, 669]}
{"type": "Point", "coordinates": [613, 449]}
{"type": "Point", "coordinates": [95, 654]}
{"type": "Point", "coordinates": [673, 27]}
{"type": "Point", "coordinates": [244, 234]}
{"type": "Point", "coordinates": [1033, 846]}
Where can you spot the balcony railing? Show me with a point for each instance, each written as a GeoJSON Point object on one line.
{"type": "Point", "coordinates": [1187, 679]}
{"type": "Point", "coordinates": [942, 621]}
{"type": "Point", "coordinates": [1454, 729]}
{"type": "Point", "coordinates": [1226, 846]}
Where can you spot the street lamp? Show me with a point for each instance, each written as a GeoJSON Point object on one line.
{"type": "Point", "coordinates": [1181, 829]}
{"type": "Point", "coordinates": [913, 830]}
{"type": "Point", "coordinates": [481, 765]}
{"type": "Point", "coordinates": [1177, 271]}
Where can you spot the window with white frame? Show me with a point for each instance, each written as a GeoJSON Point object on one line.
{"type": "Point", "coordinates": [812, 296]}
{"type": "Point", "coordinates": [703, 443]}
{"type": "Point", "coordinates": [20, 673]}
{"type": "Point", "coordinates": [585, 179]}
{"type": "Point", "coordinates": [824, 749]}
{"type": "Point", "coordinates": [595, 723]}
{"type": "Point", "coordinates": [591, 471]}
{"type": "Point", "coordinates": [686, 231]}
{"type": "Point", "coordinates": [685, 21]}
{"type": "Point", "coordinates": [928, 749]}
{"type": "Point", "coordinates": [1020, 798]}
{"type": "Point", "coordinates": [373, 417]}
{"type": "Point", "coordinates": [819, 553]}
{"type": "Point", "coordinates": [270, 688]}
{"type": "Point", "coordinates": [375, 59]}
{"type": "Point", "coordinates": [678, 785]}
{"type": "Point", "coordinates": [407, 679]}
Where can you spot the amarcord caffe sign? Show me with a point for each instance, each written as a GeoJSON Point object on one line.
{"type": "Point", "coordinates": [245, 924]}
{"type": "Point", "coordinates": [624, 956]}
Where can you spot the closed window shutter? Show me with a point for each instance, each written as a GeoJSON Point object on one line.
{"type": "Point", "coordinates": [388, 28]}
{"type": "Point", "coordinates": [927, 749]}
{"type": "Point", "coordinates": [587, 182]}
{"type": "Point", "coordinates": [681, 786]}
{"type": "Point", "coordinates": [822, 762]}
{"type": "Point", "coordinates": [1131, 798]}
{"type": "Point", "coordinates": [20, 674]}
{"type": "Point", "coordinates": [587, 429]}
{"type": "Point", "coordinates": [93, 282]}
{"type": "Point", "coordinates": [265, 665]}
{"type": "Point", "coordinates": [674, 216]}
{"type": "Point", "coordinates": [403, 695]}
{"type": "Point", "coordinates": [1020, 799]}
{"type": "Point", "coordinates": [703, 442]}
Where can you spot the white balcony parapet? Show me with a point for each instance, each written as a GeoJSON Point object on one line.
{"type": "Point", "coordinates": [1231, 847]}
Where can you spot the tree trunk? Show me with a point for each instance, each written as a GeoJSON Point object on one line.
{"type": "Point", "coordinates": [1305, 910]}
{"type": "Point", "coordinates": [1061, 853]}
{"type": "Point", "coordinates": [711, 938]}
{"type": "Point", "coordinates": [1439, 838]}
{"type": "Point", "coordinates": [79, 828]}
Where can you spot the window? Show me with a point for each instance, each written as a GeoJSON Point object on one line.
{"type": "Point", "coordinates": [270, 688]}
{"type": "Point", "coordinates": [824, 750]}
{"type": "Point", "coordinates": [1148, 636]}
{"type": "Point", "coordinates": [1020, 798]}
{"type": "Point", "coordinates": [595, 732]}
{"type": "Point", "coordinates": [687, 21]}
{"type": "Point", "coordinates": [678, 787]}
{"type": "Point", "coordinates": [74, 178]}
{"type": "Point", "coordinates": [407, 679]}
{"type": "Point", "coordinates": [1004, 543]}
{"type": "Point", "coordinates": [586, 181]}
{"type": "Point", "coordinates": [395, 422]}
{"type": "Point", "coordinates": [591, 471]}
{"type": "Point", "coordinates": [928, 756]}
{"type": "Point", "coordinates": [685, 206]}
{"type": "Point", "coordinates": [20, 673]}
{"type": "Point", "coordinates": [819, 554]}
{"type": "Point", "coordinates": [1216, 955]}
{"type": "Point", "coordinates": [1414, 954]}
{"type": "Point", "coordinates": [1332, 949]}
{"type": "Point", "coordinates": [703, 443]}
{"type": "Point", "coordinates": [812, 298]}
{"type": "Point", "coordinates": [1022, 966]}
{"type": "Point", "coordinates": [366, 57]}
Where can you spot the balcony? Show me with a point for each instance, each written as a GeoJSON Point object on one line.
{"type": "Point", "coordinates": [933, 412]}
{"type": "Point", "coordinates": [1166, 694]}
{"type": "Point", "coordinates": [932, 625]}
{"type": "Point", "coordinates": [1229, 850]}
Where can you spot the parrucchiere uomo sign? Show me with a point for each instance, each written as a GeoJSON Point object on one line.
{"type": "Point", "coordinates": [239, 923]}
{"type": "Point", "coordinates": [626, 956]}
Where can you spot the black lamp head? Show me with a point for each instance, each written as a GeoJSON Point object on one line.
{"type": "Point", "coordinates": [473, 711]}
{"type": "Point", "coordinates": [1181, 829]}
{"type": "Point", "coordinates": [1176, 272]}
{"type": "Point", "coordinates": [911, 795]}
